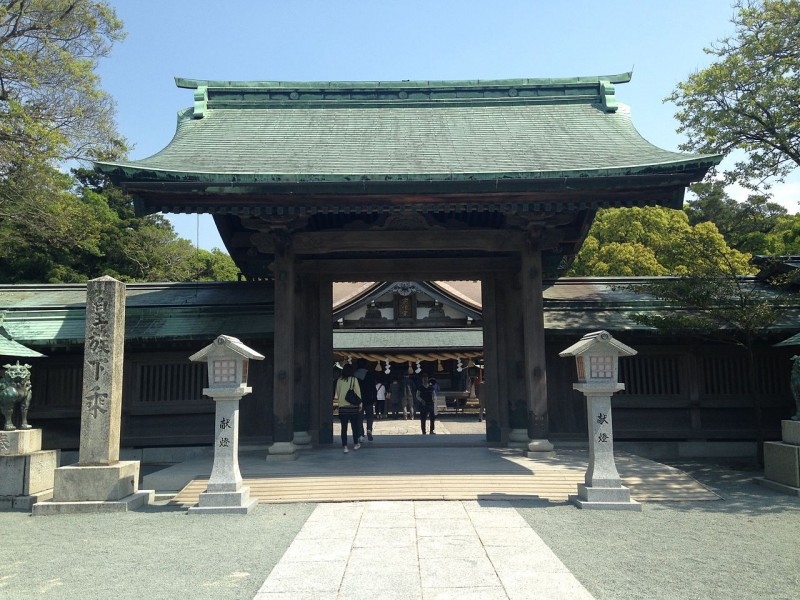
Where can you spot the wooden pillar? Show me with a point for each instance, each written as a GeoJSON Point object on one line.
{"type": "Point", "coordinates": [490, 359]}
{"type": "Point", "coordinates": [303, 373]}
{"type": "Point", "coordinates": [513, 356]}
{"type": "Point", "coordinates": [535, 363]}
{"type": "Point", "coordinates": [504, 357]}
{"type": "Point", "coordinates": [315, 369]}
{"type": "Point", "coordinates": [325, 349]}
{"type": "Point", "coordinates": [284, 351]}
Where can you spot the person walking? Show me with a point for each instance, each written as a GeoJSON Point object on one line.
{"type": "Point", "coordinates": [408, 397]}
{"type": "Point", "coordinates": [349, 412]}
{"type": "Point", "coordinates": [396, 396]}
{"type": "Point", "coordinates": [426, 404]}
{"type": "Point", "coordinates": [366, 379]}
{"type": "Point", "coordinates": [380, 400]}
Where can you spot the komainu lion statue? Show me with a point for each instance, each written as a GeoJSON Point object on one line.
{"type": "Point", "coordinates": [15, 388]}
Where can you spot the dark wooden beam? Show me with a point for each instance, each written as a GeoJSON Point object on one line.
{"type": "Point", "coordinates": [328, 242]}
{"type": "Point", "coordinates": [406, 269]}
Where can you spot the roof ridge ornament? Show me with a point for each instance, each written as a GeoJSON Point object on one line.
{"type": "Point", "coordinates": [607, 97]}
{"type": "Point", "coordinates": [200, 102]}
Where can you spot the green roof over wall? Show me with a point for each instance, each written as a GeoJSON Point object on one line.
{"type": "Point", "coordinates": [483, 134]}
{"type": "Point", "coordinates": [54, 315]}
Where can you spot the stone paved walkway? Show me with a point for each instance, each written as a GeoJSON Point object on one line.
{"type": "Point", "coordinates": [419, 550]}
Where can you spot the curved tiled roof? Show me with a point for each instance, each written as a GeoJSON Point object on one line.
{"type": "Point", "coordinates": [278, 132]}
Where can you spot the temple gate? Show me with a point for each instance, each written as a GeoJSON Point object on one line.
{"type": "Point", "coordinates": [315, 182]}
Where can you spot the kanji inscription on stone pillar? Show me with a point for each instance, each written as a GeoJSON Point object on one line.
{"type": "Point", "coordinates": [101, 407]}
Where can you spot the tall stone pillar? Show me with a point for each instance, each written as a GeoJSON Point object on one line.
{"type": "Point", "coordinates": [100, 482]}
{"type": "Point", "coordinates": [535, 363]}
{"type": "Point", "coordinates": [283, 384]}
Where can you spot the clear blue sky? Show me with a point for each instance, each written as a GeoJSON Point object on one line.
{"type": "Point", "coordinates": [318, 40]}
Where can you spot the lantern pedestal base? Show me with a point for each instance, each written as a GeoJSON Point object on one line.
{"type": "Point", "coordinates": [599, 498]}
{"type": "Point", "coordinates": [235, 503]}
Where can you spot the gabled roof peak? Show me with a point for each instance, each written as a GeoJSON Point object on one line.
{"type": "Point", "coordinates": [183, 82]}
{"type": "Point", "coordinates": [297, 94]}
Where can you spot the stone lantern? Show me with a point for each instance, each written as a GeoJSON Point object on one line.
{"type": "Point", "coordinates": [227, 361]}
{"type": "Point", "coordinates": [597, 360]}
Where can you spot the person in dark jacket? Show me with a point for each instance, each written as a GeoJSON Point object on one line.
{"type": "Point", "coordinates": [366, 378]}
{"type": "Point", "coordinates": [425, 399]}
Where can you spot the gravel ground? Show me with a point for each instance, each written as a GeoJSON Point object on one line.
{"type": "Point", "coordinates": [153, 553]}
{"type": "Point", "coordinates": [745, 546]}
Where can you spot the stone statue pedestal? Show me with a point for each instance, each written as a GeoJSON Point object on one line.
{"type": "Point", "coordinates": [96, 488]}
{"type": "Point", "coordinates": [603, 489]}
{"type": "Point", "coordinates": [225, 492]}
{"type": "Point", "coordinates": [26, 471]}
{"type": "Point", "coordinates": [782, 461]}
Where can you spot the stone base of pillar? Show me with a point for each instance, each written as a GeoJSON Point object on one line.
{"type": "Point", "coordinates": [235, 503]}
{"type": "Point", "coordinates": [539, 449]}
{"type": "Point", "coordinates": [26, 471]}
{"type": "Point", "coordinates": [27, 474]}
{"type": "Point", "coordinates": [20, 441]}
{"type": "Point", "coordinates": [282, 451]}
{"type": "Point", "coordinates": [597, 498]}
{"type": "Point", "coordinates": [24, 503]}
{"type": "Point", "coordinates": [518, 438]}
{"type": "Point", "coordinates": [96, 488]}
{"type": "Point", "coordinates": [132, 502]}
{"type": "Point", "coordinates": [777, 487]}
{"type": "Point", "coordinates": [302, 440]}
{"type": "Point", "coordinates": [81, 483]}
{"type": "Point", "coordinates": [782, 461]}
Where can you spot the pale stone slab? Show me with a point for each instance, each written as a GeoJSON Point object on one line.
{"type": "Point", "coordinates": [78, 483]}
{"type": "Point", "coordinates": [132, 502]}
{"type": "Point", "coordinates": [12, 475]}
{"type": "Point", "coordinates": [27, 474]}
{"type": "Point", "coordinates": [41, 471]}
{"type": "Point", "coordinates": [24, 503]}
{"type": "Point", "coordinates": [20, 441]}
{"type": "Point", "coordinates": [790, 431]}
{"type": "Point", "coordinates": [782, 463]}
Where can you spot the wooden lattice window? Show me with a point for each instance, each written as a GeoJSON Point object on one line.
{"type": "Point", "coordinates": [171, 382]}
{"type": "Point", "coordinates": [656, 375]}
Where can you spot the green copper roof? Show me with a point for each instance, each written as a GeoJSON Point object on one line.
{"type": "Point", "coordinates": [52, 315]}
{"type": "Point", "coordinates": [324, 133]}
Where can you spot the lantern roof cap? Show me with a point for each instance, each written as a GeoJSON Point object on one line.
{"type": "Point", "coordinates": [229, 343]}
{"type": "Point", "coordinates": [592, 340]}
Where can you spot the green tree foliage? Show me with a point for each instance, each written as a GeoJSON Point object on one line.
{"type": "Point", "coordinates": [749, 98]}
{"type": "Point", "coordinates": [746, 226]}
{"type": "Point", "coordinates": [54, 227]}
{"type": "Point", "coordinates": [51, 108]}
{"type": "Point", "coordinates": [97, 233]}
{"type": "Point", "coordinates": [650, 241]}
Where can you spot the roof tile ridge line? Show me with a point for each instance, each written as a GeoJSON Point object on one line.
{"type": "Point", "coordinates": [187, 83]}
